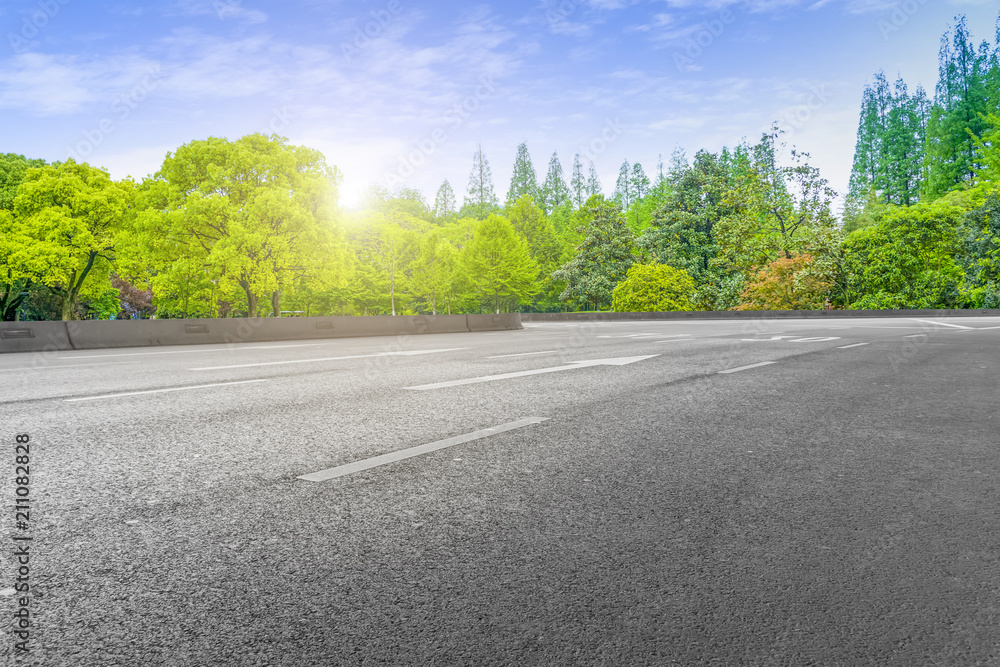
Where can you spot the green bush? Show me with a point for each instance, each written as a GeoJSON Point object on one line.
{"type": "Point", "coordinates": [653, 288]}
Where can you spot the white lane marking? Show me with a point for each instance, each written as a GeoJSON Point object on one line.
{"type": "Point", "coordinates": [944, 324]}
{"type": "Point", "coordinates": [844, 347]}
{"type": "Point", "coordinates": [406, 353]}
{"type": "Point", "coordinates": [160, 391]}
{"type": "Point", "coordinates": [620, 361]}
{"type": "Point", "coordinates": [522, 354]}
{"type": "Point", "coordinates": [916, 336]}
{"type": "Point", "coordinates": [392, 457]}
{"type": "Point", "coordinates": [49, 368]}
{"type": "Point", "coordinates": [743, 368]}
{"type": "Point", "coordinates": [753, 340]}
{"type": "Point", "coordinates": [217, 349]}
{"type": "Point", "coordinates": [793, 339]}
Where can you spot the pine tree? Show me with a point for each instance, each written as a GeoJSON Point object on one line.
{"type": "Point", "coordinates": [522, 180]}
{"type": "Point", "coordinates": [624, 193]}
{"type": "Point", "coordinates": [578, 184]}
{"type": "Point", "coordinates": [554, 191]}
{"type": "Point", "coordinates": [961, 99]}
{"type": "Point", "coordinates": [639, 182]}
{"type": "Point", "coordinates": [593, 181]}
{"type": "Point", "coordinates": [480, 196]}
{"type": "Point", "coordinates": [444, 201]}
{"type": "Point", "coordinates": [603, 258]}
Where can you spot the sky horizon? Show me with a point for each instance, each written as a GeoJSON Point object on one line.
{"type": "Point", "coordinates": [399, 92]}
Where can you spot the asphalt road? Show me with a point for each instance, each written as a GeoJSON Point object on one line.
{"type": "Point", "coordinates": [838, 506]}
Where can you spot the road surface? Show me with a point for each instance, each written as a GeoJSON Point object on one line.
{"type": "Point", "coordinates": [765, 492]}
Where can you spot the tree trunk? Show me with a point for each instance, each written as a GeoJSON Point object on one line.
{"type": "Point", "coordinates": [276, 303]}
{"type": "Point", "coordinates": [251, 299]}
{"type": "Point", "coordinates": [68, 302]}
{"type": "Point", "coordinates": [392, 294]}
{"type": "Point", "coordinates": [434, 305]}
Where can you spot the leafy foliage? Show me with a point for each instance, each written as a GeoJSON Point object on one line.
{"type": "Point", "coordinates": [603, 258]}
{"type": "Point", "coordinates": [785, 284]}
{"type": "Point", "coordinates": [653, 288]}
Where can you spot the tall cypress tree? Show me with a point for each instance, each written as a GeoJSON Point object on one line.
{"type": "Point", "coordinates": [480, 196]}
{"type": "Point", "coordinates": [639, 182]}
{"type": "Point", "coordinates": [960, 97]}
{"type": "Point", "coordinates": [624, 194]}
{"type": "Point", "coordinates": [444, 201]}
{"type": "Point", "coordinates": [554, 191]}
{"type": "Point", "coordinates": [523, 180]}
{"type": "Point", "coordinates": [578, 184]}
{"type": "Point", "coordinates": [593, 182]}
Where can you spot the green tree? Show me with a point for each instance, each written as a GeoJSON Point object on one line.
{"type": "Point", "coordinates": [78, 209]}
{"type": "Point", "coordinates": [773, 206]}
{"type": "Point", "coordinates": [523, 180]}
{"type": "Point", "coordinates": [653, 288]}
{"type": "Point", "coordinates": [253, 213]}
{"type": "Point", "coordinates": [979, 253]}
{"type": "Point", "coordinates": [961, 99]}
{"type": "Point", "coordinates": [498, 264]}
{"type": "Point", "coordinates": [444, 202]}
{"type": "Point", "coordinates": [602, 259]}
{"type": "Point", "coordinates": [434, 270]}
{"type": "Point", "coordinates": [624, 188]}
{"type": "Point", "coordinates": [392, 249]}
{"type": "Point", "coordinates": [906, 259]}
{"type": "Point", "coordinates": [554, 191]}
{"type": "Point", "coordinates": [593, 182]}
{"type": "Point", "coordinates": [578, 184]}
{"type": "Point", "coordinates": [22, 259]}
{"type": "Point", "coordinates": [480, 198]}
{"type": "Point", "coordinates": [785, 284]}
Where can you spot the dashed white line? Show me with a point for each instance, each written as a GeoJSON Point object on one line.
{"type": "Point", "coordinates": [574, 365]}
{"type": "Point", "coordinates": [57, 366]}
{"type": "Point", "coordinates": [405, 353]}
{"type": "Point", "coordinates": [944, 324]}
{"type": "Point", "coordinates": [522, 354]}
{"type": "Point", "coordinates": [159, 391]}
{"type": "Point", "coordinates": [844, 347]}
{"type": "Point", "coordinates": [340, 471]}
{"type": "Point", "coordinates": [743, 368]}
{"type": "Point", "coordinates": [215, 349]}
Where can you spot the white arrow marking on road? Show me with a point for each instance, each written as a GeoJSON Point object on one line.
{"type": "Point", "coordinates": [620, 361]}
{"type": "Point", "coordinates": [522, 354]}
{"type": "Point", "coordinates": [408, 353]}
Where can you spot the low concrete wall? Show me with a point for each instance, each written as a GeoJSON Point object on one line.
{"type": "Point", "coordinates": [494, 322]}
{"type": "Point", "coordinates": [753, 315]}
{"type": "Point", "coordinates": [50, 336]}
{"type": "Point", "coordinates": [34, 337]}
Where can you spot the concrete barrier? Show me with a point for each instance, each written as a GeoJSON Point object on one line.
{"type": "Point", "coordinates": [494, 322]}
{"type": "Point", "coordinates": [34, 337]}
{"type": "Point", "coordinates": [83, 335]}
{"type": "Point", "coordinates": [754, 314]}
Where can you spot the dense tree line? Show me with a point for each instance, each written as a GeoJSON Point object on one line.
{"type": "Point", "coordinates": [253, 226]}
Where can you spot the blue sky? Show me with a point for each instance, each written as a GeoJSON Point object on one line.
{"type": "Point", "coordinates": [402, 91]}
